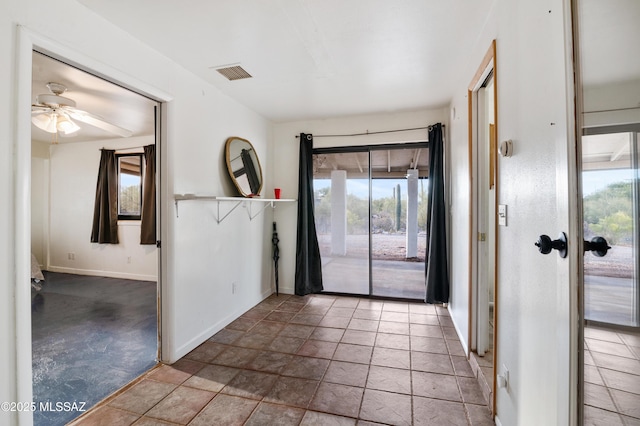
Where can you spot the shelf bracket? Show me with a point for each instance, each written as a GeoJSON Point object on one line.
{"type": "Point", "coordinates": [263, 208]}
{"type": "Point", "coordinates": [220, 219]}
{"type": "Point", "coordinates": [221, 216]}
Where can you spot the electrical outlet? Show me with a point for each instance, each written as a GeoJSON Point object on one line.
{"type": "Point", "coordinates": [128, 259]}
{"type": "Point", "coordinates": [234, 287]}
{"type": "Point", "coordinates": [71, 256]}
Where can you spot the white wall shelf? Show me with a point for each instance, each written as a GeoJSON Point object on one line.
{"type": "Point", "coordinates": [235, 201]}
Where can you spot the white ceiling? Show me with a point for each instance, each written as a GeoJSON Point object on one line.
{"type": "Point", "coordinates": [314, 58]}
{"type": "Point", "coordinates": [606, 151]}
{"type": "Point", "coordinates": [92, 94]}
{"type": "Point", "coordinates": [609, 36]}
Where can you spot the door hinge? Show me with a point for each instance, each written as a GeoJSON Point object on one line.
{"type": "Point", "coordinates": [158, 243]}
{"type": "Point", "coordinates": [482, 236]}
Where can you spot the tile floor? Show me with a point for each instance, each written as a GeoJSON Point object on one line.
{"type": "Point", "coordinates": [612, 377]}
{"type": "Point", "coordinates": [482, 367]}
{"type": "Point", "coordinates": [313, 360]}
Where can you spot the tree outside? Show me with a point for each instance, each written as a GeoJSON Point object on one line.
{"type": "Point", "coordinates": [609, 213]}
{"type": "Point", "coordinates": [129, 203]}
{"type": "Point", "coordinates": [383, 219]}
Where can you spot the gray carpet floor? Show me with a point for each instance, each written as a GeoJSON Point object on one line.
{"type": "Point", "coordinates": [91, 336]}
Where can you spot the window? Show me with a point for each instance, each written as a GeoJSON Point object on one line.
{"type": "Point", "coordinates": [130, 173]}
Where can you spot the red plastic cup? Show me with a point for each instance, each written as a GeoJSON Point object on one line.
{"type": "Point", "coordinates": [276, 192]}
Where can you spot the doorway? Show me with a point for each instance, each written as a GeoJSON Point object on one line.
{"type": "Point", "coordinates": [486, 212]}
{"type": "Point", "coordinates": [370, 212]}
{"type": "Point", "coordinates": [483, 279]}
{"type": "Point", "coordinates": [95, 316]}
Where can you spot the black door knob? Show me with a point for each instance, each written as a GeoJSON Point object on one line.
{"type": "Point", "coordinates": [598, 246]}
{"type": "Point", "coordinates": [545, 244]}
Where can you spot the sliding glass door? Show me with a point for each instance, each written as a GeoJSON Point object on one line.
{"type": "Point", "coordinates": [370, 207]}
{"type": "Point", "coordinates": [610, 203]}
{"type": "Point", "coordinates": [341, 187]}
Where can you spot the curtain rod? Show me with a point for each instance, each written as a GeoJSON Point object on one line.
{"type": "Point", "coordinates": [126, 149]}
{"type": "Point", "coordinates": [372, 133]}
{"type": "Point", "coordinates": [238, 156]}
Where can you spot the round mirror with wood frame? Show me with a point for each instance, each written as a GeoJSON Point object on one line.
{"type": "Point", "coordinates": [243, 166]}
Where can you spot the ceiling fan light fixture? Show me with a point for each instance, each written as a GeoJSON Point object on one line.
{"type": "Point", "coordinates": [54, 114]}
{"type": "Point", "coordinates": [66, 126]}
{"type": "Point", "coordinates": [46, 122]}
{"type": "Point", "coordinates": [55, 123]}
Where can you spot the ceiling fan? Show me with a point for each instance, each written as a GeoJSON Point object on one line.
{"type": "Point", "coordinates": [54, 113]}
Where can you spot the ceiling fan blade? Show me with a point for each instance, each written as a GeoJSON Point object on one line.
{"type": "Point", "coordinates": [40, 109]}
{"type": "Point", "coordinates": [96, 121]}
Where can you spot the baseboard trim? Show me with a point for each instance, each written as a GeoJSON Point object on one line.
{"type": "Point", "coordinates": [463, 339]}
{"type": "Point", "coordinates": [97, 273]}
{"type": "Point", "coordinates": [285, 290]}
{"type": "Point", "coordinates": [209, 332]}
{"type": "Point", "coordinates": [201, 338]}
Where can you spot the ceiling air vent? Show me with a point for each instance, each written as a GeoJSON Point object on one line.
{"type": "Point", "coordinates": [235, 72]}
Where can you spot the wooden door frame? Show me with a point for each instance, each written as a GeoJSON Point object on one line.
{"type": "Point", "coordinates": [488, 62]}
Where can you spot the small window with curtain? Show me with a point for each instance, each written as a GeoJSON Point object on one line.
{"type": "Point", "coordinates": [130, 178]}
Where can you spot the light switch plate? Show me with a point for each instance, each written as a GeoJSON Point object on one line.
{"type": "Point", "coordinates": [502, 214]}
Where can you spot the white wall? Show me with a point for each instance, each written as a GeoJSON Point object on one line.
{"type": "Point", "coordinates": [610, 104]}
{"type": "Point", "coordinates": [39, 201]}
{"type": "Point", "coordinates": [8, 351]}
{"type": "Point", "coordinates": [533, 293]}
{"type": "Point", "coordinates": [459, 212]}
{"type": "Point", "coordinates": [286, 151]}
{"type": "Point", "coordinates": [72, 188]}
{"type": "Point", "coordinates": [209, 257]}
{"type": "Point", "coordinates": [201, 257]}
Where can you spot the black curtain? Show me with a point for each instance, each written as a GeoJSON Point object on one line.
{"type": "Point", "coordinates": [308, 263]}
{"type": "Point", "coordinates": [436, 262]}
{"type": "Point", "coordinates": [250, 170]}
{"type": "Point", "coordinates": [105, 211]}
{"type": "Point", "coordinates": [148, 216]}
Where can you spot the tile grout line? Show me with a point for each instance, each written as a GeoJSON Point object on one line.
{"type": "Point", "coordinates": [263, 347]}
{"type": "Point", "coordinates": [599, 367]}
